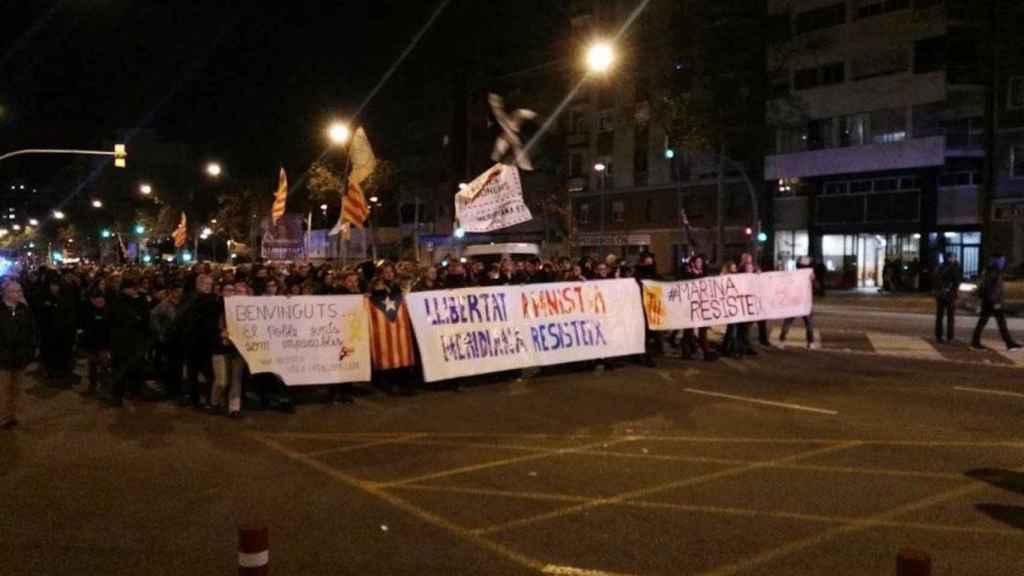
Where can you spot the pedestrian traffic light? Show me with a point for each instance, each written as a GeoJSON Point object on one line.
{"type": "Point", "coordinates": [749, 231]}
{"type": "Point", "coordinates": [105, 233]}
{"type": "Point", "coordinates": [140, 229]}
{"type": "Point", "coordinates": [762, 237]}
{"type": "Point", "coordinates": [669, 153]}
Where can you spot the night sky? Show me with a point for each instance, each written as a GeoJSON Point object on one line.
{"type": "Point", "coordinates": [250, 83]}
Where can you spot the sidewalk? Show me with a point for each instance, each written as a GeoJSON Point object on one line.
{"type": "Point", "coordinates": [911, 302]}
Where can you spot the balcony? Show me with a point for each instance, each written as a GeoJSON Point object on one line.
{"type": "Point", "coordinates": [915, 153]}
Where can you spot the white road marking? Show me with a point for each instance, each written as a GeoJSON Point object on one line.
{"type": "Point", "coordinates": [573, 571]}
{"type": "Point", "coordinates": [987, 391]}
{"type": "Point", "coordinates": [906, 346]}
{"type": "Point", "coordinates": [763, 402]}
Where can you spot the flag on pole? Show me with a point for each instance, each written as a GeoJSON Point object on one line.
{"type": "Point", "coordinates": [392, 345]}
{"type": "Point", "coordinates": [180, 233]}
{"type": "Point", "coordinates": [280, 197]}
{"type": "Point", "coordinates": [354, 208]}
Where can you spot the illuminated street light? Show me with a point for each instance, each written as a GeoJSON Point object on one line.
{"type": "Point", "coordinates": [600, 57]}
{"type": "Point", "coordinates": [3, 232]}
{"type": "Point", "coordinates": [599, 167]}
{"type": "Point", "coordinates": [460, 232]}
{"type": "Point", "coordinates": [214, 169]}
{"type": "Point", "coordinates": [374, 200]}
{"type": "Point", "coordinates": [213, 221]}
{"type": "Point", "coordinates": [207, 231]}
{"type": "Point", "coordinates": [323, 207]}
{"type": "Point", "coordinates": [146, 189]}
{"type": "Point", "coordinates": [58, 214]}
{"type": "Point", "coordinates": [105, 233]}
{"type": "Point", "coordinates": [140, 229]}
{"type": "Point", "coordinates": [338, 133]}
{"type": "Point", "coordinates": [186, 257]}
{"type": "Point", "coordinates": [97, 204]}
{"type": "Point", "coordinates": [33, 222]}
{"type": "Point", "coordinates": [16, 227]}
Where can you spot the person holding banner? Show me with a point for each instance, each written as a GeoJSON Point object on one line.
{"type": "Point", "coordinates": [803, 263]}
{"type": "Point", "coordinates": [748, 267]}
{"type": "Point", "coordinates": [391, 350]}
{"type": "Point", "coordinates": [228, 367]}
{"type": "Point", "coordinates": [692, 342]}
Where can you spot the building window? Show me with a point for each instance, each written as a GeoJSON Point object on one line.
{"type": "Point", "coordinates": [1016, 93]}
{"type": "Point", "coordinates": [880, 63]}
{"type": "Point", "coordinates": [966, 133]}
{"type": "Point", "coordinates": [869, 8]}
{"type": "Point", "coordinates": [577, 122]}
{"type": "Point", "coordinates": [584, 214]}
{"type": "Point", "coordinates": [575, 165]}
{"type": "Point", "coordinates": [1017, 162]}
{"type": "Point", "coordinates": [821, 18]}
{"type": "Point", "coordinates": [821, 134]}
{"type": "Point", "coordinates": [852, 130]}
{"type": "Point", "coordinates": [606, 143]}
{"type": "Point", "coordinates": [641, 142]}
{"type": "Point", "coordinates": [888, 126]}
{"type": "Point", "coordinates": [829, 74]}
{"type": "Point", "coordinates": [606, 121]}
{"type": "Point", "coordinates": [618, 212]}
{"type": "Point", "coordinates": [930, 55]}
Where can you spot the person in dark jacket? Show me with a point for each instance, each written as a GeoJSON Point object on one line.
{"type": "Point", "coordinates": [17, 349]}
{"type": "Point", "coordinates": [57, 326]}
{"type": "Point", "coordinates": [647, 269]}
{"type": "Point", "coordinates": [96, 337]}
{"type": "Point", "coordinates": [202, 328]}
{"type": "Point", "coordinates": [693, 341]}
{"type": "Point", "coordinates": [992, 292]}
{"type": "Point", "coordinates": [228, 366]}
{"type": "Point", "coordinates": [947, 286]}
{"type": "Point", "coordinates": [129, 339]}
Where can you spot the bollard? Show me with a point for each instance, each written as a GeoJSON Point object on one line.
{"type": "Point", "coordinates": [253, 552]}
{"type": "Point", "coordinates": [913, 562]}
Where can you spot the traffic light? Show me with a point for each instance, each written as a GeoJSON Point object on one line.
{"type": "Point", "coordinates": [140, 229]}
{"type": "Point", "coordinates": [120, 156]}
{"type": "Point", "coordinates": [105, 233]}
{"type": "Point", "coordinates": [762, 237]}
{"type": "Point", "coordinates": [749, 231]}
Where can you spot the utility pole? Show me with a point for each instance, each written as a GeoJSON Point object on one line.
{"type": "Point", "coordinates": [985, 191]}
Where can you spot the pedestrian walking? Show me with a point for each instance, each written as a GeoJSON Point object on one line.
{"type": "Point", "coordinates": [992, 294]}
{"type": "Point", "coordinates": [947, 282]}
{"type": "Point", "coordinates": [17, 349]}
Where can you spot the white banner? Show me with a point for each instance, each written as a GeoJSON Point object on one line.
{"type": "Point", "coordinates": [305, 340]}
{"type": "Point", "coordinates": [718, 300]}
{"type": "Point", "coordinates": [490, 329]}
{"type": "Point", "coordinates": [494, 200]}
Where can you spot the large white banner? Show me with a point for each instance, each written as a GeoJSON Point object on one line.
{"type": "Point", "coordinates": [494, 200]}
{"type": "Point", "coordinates": [480, 330]}
{"type": "Point", "coordinates": [305, 340]}
{"type": "Point", "coordinates": [727, 299]}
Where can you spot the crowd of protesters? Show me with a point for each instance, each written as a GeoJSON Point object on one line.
{"type": "Point", "coordinates": [164, 324]}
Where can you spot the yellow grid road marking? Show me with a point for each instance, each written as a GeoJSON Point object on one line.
{"type": "Point", "coordinates": [727, 473]}
{"type": "Point", "coordinates": [859, 525]}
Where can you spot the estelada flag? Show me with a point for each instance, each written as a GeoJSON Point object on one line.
{"type": "Point", "coordinates": [354, 209]}
{"type": "Point", "coordinates": [280, 197]}
{"type": "Point", "coordinates": [391, 331]}
{"type": "Point", "coordinates": [180, 233]}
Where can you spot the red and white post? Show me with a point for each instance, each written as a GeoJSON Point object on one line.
{"type": "Point", "coordinates": [253, 552]}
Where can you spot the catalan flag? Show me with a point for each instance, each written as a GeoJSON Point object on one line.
{"type": "Point", "coordinates": [391, 336]}
{"type": "Point", "coordinates": [280, 197]}
{"type": "Point", "coordinates": [180, 233]}
{"type": "Point", "coordinates": [354, 209]}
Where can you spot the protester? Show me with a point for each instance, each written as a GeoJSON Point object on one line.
{"type": "Point", "coordinates": [202, 327]}
{"type": "Point", "coordinates": [992, 293]}
{"type": "Point", "coordinates": [227, 366]}
{"type": "Point", "coordinates": [804, 263]}
{"type": "Point", "coordinates": [946, 285]}
{"type": "Point", "coordinates": [166, 327]}
{"type": "Point", "coordinates": [95, 340]}
{"type": "Point", "coordinates": [57, 327]}
{"type": "Point", "coordinates": [129, 331]}
{"type": "Point", "coordinates": [17, 349]}
{"type": "Point", "coordinates": [691, 343]}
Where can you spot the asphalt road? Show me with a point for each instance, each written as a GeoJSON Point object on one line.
{"type": "Point", "coordinates": [796, 462]}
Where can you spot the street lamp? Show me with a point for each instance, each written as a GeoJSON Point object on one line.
{"type": "Point", "coordinates": [140, 229]}
{"type": "Point", "coordinates": [33, 222]}
{"type": "Point", "coordinates": [600, 57]}
{"type": "Point", "coordinates": [599, 167]}
{"type": "Point", "coordinates": [58, 214]}
{"type": "Point", "coordinates": [374, 200]}
{"type": "Point", "coordinates": [338, 132]}
{"type": "Point", "coordinates": [214, 169]}
{"type": "Point", "coordinates": [146, 189]}
{"type": "Point", "coordinates": [97, 204]}
{"type": "Point", "coordinates": [16, 227]}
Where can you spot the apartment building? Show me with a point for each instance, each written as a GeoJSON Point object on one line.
{"type": "Point", "coordinates": [879, 148]}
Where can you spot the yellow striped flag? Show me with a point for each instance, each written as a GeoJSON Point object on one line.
{"type": "Point", "coordinates": [280, 197]}
{"type": "Point", "coordinates": [354, 209]}
{"type": "Point", "coordinates": [180, 233]}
